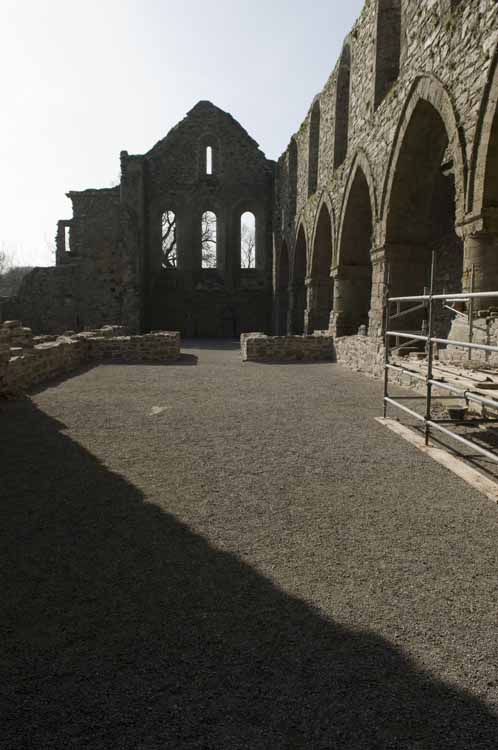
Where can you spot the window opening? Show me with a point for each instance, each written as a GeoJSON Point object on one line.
{"type": "Point", "coordinates": [248, 240]}
{"type": "Point", "coordinates": [169, 240]}
{"type": "Point", "coordinates": [209, 239]}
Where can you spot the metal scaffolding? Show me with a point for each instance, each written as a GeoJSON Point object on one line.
{"type": "Point", "coordinates": [427, 301]}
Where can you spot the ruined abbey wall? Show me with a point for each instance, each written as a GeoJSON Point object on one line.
{"type": "Point", "coordinates": [394, 159]}
{"type": "Point", "coordinates": [111, 259]}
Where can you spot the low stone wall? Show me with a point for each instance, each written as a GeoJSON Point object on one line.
{"type": "Point", "coordinates": [26, 362]}
{"type": "Point", "coordinates": [362, 354]}
{"type": "Point", "coordinates": [44, 362]}
{"type": "Point", "coordinates": [257, 347]}
{"type": "Point", "coordinates": [152, 347]}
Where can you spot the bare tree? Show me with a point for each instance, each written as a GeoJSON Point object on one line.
{"type": "Point", "coordinates": [6, 259]}
{"type": "Point", "coordinates": [11, 275]}
{"type": "Point", "coordinates": [208, 239]}
{"type": "Point", "coordinates": [248, 241]}
{"type": "Point", "coordinates": [169, 240]}
{"type": "Point", "coordinates": [248, 246]}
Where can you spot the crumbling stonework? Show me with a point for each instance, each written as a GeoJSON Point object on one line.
{"type": "Point", "coordinates": [404, 163]}
{"type": "Point", "coordinates": [110, 257]}
{"type": "Point", "coordinates": [25, 362]}
{"type": "Point", "coordinates": [396, 158]}
{"type": "Point", "coordinates": [256, 347]}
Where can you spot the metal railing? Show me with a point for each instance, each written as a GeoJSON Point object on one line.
{"type": "Point", "coordinates": [427, 301]}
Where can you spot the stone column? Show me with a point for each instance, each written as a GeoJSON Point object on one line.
{"type": "Point", "coordinates": [351, 284]}
{"type": "Point", "coordinates": [379, 281]}
{"type": "Point", "coordinates": [281, 312]}
{"type": "Point", "coordinates": [319, 294]}
{"type": "Point", "coordinates": [481, 251]}
{"type": "Point", "coordinates": [297, 312]}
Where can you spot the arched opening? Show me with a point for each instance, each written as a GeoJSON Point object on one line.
{"type": "Point", "coordinates": [248, 240]}
{"type": "Point", "coordinates": [314, 148]}
{"type": "Point", "coordinates": [209, 240]}
{"type": "Point", "coordinates": [169, 247]}
{"type": "Point", "coordinates": [421, 215]}
{"type": "Point", "coordinates": [388, 47]}
{"type": "Point", "coordinates": [342, 107]}
{"type": "Point", "coordinates": [353, 285]}
{"type": "Point", "coordinates": [322, 284]}
{"type": "Point", "coordinates": [283, 290]}
{"type": "Point", "coordinates": [209, 160]}
{"type": "Point", "coordinates": [298, 288]}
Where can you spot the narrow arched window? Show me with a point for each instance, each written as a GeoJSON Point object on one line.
{"type": "Point", "coordinates": [248, 240]}
{"type": "Point", "coordinates": [67, 239]}
{"type": "Point", "coordinates": [169, 240]}
{"type": "Point", "coordinates": [342, 108]}
{"type": "Point", "coordinates": [209, 239]}
{"type": "Point", "coordinates": [388, 47]}
{"type": "Point", "coordinates": [314, 148]}
{"type": "Point", "coordinates": [209, 160]}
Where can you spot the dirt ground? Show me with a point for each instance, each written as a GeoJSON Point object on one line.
{"type": "Point", "coordinates": [224, 556]}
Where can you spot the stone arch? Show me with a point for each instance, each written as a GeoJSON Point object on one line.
{"type": "Point", "coordinates": [483, 177]}
{"type": "Point", "coordinates": [431, 91]}
{"type": "Point", "coordinates": [426, 181]}
{"type": "Point", "coordinates": [388, 48]}
{"type": "Point", "coordinates": [314, 148]}
{"type": "Point", "coordinates": [320, 283]}
{"type": "Point", "coordinates": [342, 107]}
{"type": "Point", "coordinates": [481, 243]}
{"type": "Point", "coordinates": [297, 299]}
{"type": "Point", "coordinates": [353, 269]}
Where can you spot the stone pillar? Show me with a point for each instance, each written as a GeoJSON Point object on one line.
{"type": "Point", "coordinates": [351, 299]}
{"type": "Point", "coordinates": [319, 296]}
{"type": "Point", "coordinates": [481, 251]}
{"type": "Point", "coordinates": [135, 311]}
{"type": "Point", "coordinates": [297, 312]}
{"type": "Point", "coordinates": [379, 281]}
{"type": "Point", "coordinates": [281, 312]}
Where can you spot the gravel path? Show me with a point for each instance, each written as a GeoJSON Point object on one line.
{"type": "Point", "coordinates": [221, 556]}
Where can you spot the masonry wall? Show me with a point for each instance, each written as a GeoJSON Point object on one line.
{"type": "Point", "coordinates": [26, 361]}
{"type": "Point", "coordinates": [446, 64]}
{"type": "Point", "coordinates": [256, 347]}
{"type": "Point", "coordinates": [94, 276]}
{"type": "Point", "coordinates": [228, 299]}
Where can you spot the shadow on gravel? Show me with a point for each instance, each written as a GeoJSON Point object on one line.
{"type": "Point", "coordinates": [123, 629]}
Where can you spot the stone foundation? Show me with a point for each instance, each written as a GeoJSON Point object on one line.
{"type": "Point", "coordinates": [46, 357]}
{"type": "Point", "coordinates": [257, 347]}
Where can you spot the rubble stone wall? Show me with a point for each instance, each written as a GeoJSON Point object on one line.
{"type": "Point", "coordinates": [413, 76]}
{"type": "Point", "coordinates": [256, 347]}
{"type": "Point", "coordinates": [26, 361]}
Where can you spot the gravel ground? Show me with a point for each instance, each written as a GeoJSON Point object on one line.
{"type": "Point", "coordinates": [221, 556]}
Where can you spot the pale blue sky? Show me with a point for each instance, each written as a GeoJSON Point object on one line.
{"type": "Point", "coordinates": [82, 81]}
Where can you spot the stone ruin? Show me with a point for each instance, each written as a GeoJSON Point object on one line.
{"type": "Point", "coordinates": [396, 158]}
{"type": "Point", "coordinates": [27, 360]}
